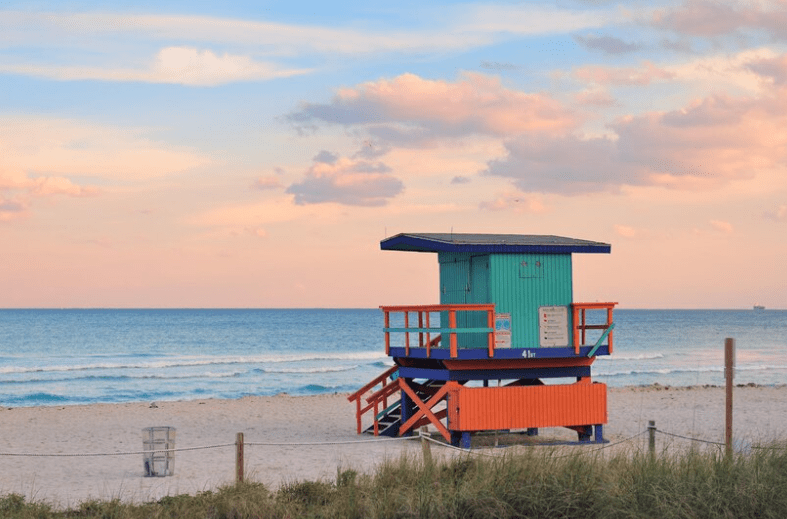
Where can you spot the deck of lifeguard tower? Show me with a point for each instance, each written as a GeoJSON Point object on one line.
{"type": "Point", "coordinates": [507, 348]}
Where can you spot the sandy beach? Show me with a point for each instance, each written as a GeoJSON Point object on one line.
{"type": "Point", "coordinates": [760, 416]}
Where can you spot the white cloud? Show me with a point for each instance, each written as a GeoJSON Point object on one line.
{"type": "Point", "coordinates": [522, 18]}
{"type": "Point", "coordinates": [469, 25]}
{"type": "Point", "coordinates": [724, 72]}
{"type": "Point", "coordinates": [177, 65]}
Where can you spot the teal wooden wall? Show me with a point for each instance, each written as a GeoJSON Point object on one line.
{"type": "Point", "coordinates": [516, 283]}
{"type": "Point", "coordinates": [521, 283]}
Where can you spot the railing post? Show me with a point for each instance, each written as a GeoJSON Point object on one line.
{"type": "Point", "coordinates": [575, 321]}
{"type": "Point", "coordinates": [490, 323]}
{"type": "Point", "coordinates": [452, 325]}
{"type": "Point", "coordinates": [407, 333]}
{"type": "Point", "coordinates": [358, 413]}
{"type": "Point", "coordinates": [428, 339]}
{"type": "Point", "coordinates": [420, 326]}
{"type": "Point", "coordinates": [376, 423]}
{"type": "Point", "coordinates": [609, 322]}
{"type": "Point", "coordinates": [387, 333]}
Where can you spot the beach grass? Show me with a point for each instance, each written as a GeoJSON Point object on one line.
{"type": "Point", "coordinates": [537, 483]}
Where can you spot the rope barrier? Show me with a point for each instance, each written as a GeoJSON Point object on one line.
{"type": "Point", "coordinates": [205, 447]}
{"type": "Point", "coordinates": [421, 435]}
{"type": "Point", "coordinates": [688, 438]}
{"type": "Point", "coordinates": [717, 443]}
{"type": "Point", "coordinates": [302, 444]}
{"type": "Point", "coordinates": [766, 447]}
{"type": "Point", "coordinates": [127, 453]}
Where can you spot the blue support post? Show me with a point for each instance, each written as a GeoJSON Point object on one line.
{"type": "Point", "coordinates": [599, 435]}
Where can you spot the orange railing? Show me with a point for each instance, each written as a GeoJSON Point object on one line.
{"type": "Point", "coordinates": [374, 400]}
{"type": "Point", "coordinates": [581, 326]}
{"type": "Point", "coordinates": [424, 330]}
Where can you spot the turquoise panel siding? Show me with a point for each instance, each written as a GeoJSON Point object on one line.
{"type": "Point", "coordinates": [521, 283]}
{"type": "Point", "coordinates": [479, 293]}
{"type": "Point", "coordinates": [516, 283]}
{"type": "Point", "coordinates": [464, 278]}
{"type": "Point", "coordinates": [454, 278]}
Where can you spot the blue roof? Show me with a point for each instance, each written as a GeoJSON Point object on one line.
{"type": "Point", "coordinates": [491, 243]}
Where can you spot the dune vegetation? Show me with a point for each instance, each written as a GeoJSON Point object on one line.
{"type": "Point", "coordinates": [536, 483]}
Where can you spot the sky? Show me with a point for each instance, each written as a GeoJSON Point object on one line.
{"type": "Point", "coordinates": [191, 154]}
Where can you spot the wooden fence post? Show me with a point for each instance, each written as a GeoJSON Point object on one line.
{"type": "Point", "coordinates": [652, 439]}
{"type": "Point", "coordinates": [729, 373]}
{"type": "Point", "coordinates": [239, 458]}
{"type": "Point", "coordinates": [425, 447]}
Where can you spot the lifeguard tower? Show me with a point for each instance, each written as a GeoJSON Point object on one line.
{"type": "Point", "coordinates": [507, 348]}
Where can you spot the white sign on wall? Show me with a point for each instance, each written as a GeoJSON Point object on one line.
{"type": "Point", "coordinates": [502, 330]}
{"type": "Point", "coordinates": [553, 326]}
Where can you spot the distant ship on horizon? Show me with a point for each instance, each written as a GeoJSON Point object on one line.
{"type": "Point", "coordinates": [759, 307]}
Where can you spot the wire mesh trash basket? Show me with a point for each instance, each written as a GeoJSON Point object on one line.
{"type": "Point", "coordinates": [158, 457]}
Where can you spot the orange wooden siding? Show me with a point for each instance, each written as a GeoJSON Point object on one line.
{"type": "Point", "coordinates": [519, 407]}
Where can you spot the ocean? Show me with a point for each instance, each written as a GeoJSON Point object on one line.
{"type": "Point", "coordinates": [84, 356]}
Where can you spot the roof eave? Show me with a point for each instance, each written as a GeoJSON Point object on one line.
{"type": "Point", "coordinates": [412, 243]}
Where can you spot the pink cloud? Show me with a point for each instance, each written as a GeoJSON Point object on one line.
{"type": "Point", "coordinates": [17, 191]}
{"type": "Point", "coordinates": [516, 202]}
{"type": "Point", "coordinates": [11, 209]}
{"type": "Point", "coordinates": [269, 182]}
{"type": "Point", "coordinates": [702, 145]}
{"type": "Point", "coordinates": [774, 69]}
{"type": "Point", "coordinates": [567, 164]}
{"type": "Point", "coordinates": [44, 186]}
{"type": "Point", "coordinates": [704, 18]}
{"type": "Point", "coordinates": [347, 181]}
{"type": "Point", "coordinates": [645, 75]}
{"type": "Point", "coordinates": [778, 215]}
{"type": "Point", "coordinates": [13, 179]}
{"type": "Point", "coordinates": [705, 144]}
{"type": "Point", "coordinates": [722, 227]}
{"type": "Point", "coordinates": [717, 138]}
{"type": "Point", "coordinates": [606, 44]}
{"type": "Point", "coordinates": [595, 98]}
{"type": "Point", "coordinates": [625, 231]}
{"type": "Point", "coordinates": [475, 104]}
